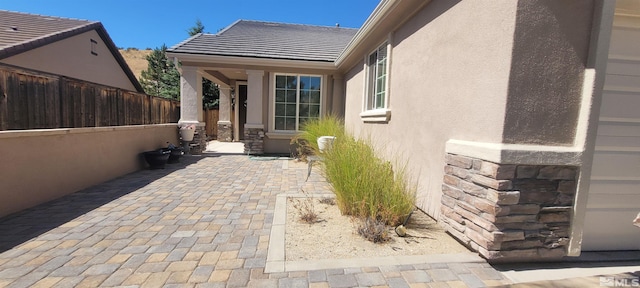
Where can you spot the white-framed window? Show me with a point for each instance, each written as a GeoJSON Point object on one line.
{"type": "Point", "coordinates": [297, 98]}
{"type": "Point", "coordinates": [377, 78]}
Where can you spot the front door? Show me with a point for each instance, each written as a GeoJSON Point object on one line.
{"type": "Point", "coordinates": [241, 103]}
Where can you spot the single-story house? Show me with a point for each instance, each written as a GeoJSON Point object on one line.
{"type": "Point", "coordinates": [520, 118]}
{"type": "Point", "coordinates": [73, 48]}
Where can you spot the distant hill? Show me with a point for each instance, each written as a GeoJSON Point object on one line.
{"type": "Point", "coordinates": [136, 59]}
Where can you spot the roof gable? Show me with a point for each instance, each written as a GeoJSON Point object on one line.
{"type": "Point", "coordinates": [21, 32]}
{"type": "Point", "coordinates": [271, 40]}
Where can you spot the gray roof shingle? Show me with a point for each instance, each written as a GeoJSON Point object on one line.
{"type": "Point", "coordinates": [271, 40]}
{"type": "Point", "coordinates": [21, 32]}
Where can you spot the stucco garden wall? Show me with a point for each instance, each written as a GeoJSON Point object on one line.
{"type": "Point", "coordinates": [42, 165]}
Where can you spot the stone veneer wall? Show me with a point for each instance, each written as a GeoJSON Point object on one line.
{"type": "Point", "coordinates": [508, 213]}
{"type": "Point", "coordinates": [199, 137]}
{"type": "Point", "coordinates": [225, 132]}
{"type": "Point", "coordinates": [253, 141]}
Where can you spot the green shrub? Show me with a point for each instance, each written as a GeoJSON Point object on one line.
{"type": "Point", "coordinates": [365, 185]}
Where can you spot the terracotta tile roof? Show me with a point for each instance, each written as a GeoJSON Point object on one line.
{"type": "Point", "coordinates": [21, 32]}
{"type": "Point", "coordinates": [271, 40]}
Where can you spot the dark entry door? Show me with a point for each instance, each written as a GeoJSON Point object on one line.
{"type": "Point", "coordinates": [242, 113]}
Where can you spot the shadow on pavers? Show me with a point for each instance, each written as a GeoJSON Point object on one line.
{"type": "Point", "coordinates": [22, 226]}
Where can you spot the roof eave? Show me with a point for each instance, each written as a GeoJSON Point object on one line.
{"type": "Point", "coordinates": [388, 15]}
{"type": "Point", "coordinates": [251, 61]}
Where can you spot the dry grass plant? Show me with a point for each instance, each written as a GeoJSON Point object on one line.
{"type": "Point", "coordinates": [306, 209]}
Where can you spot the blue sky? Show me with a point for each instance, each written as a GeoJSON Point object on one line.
{"type": "Point", "coordinates": [149, 24]}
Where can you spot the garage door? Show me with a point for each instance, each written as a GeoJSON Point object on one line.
{"type": "Point", "coordinates": [614, 196]}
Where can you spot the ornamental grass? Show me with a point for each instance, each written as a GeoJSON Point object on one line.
{"type": "Point", "coordinates": [365, 185]}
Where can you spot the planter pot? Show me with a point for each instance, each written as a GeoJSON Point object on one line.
{"type": "Point", "coordinates": [174, 154]}
{"type": "Point", "coordinates": [325, 142]}
{"type": "Point", "coordinates": [187, 134]}
{"type": "Point", "coordinates": [157, 158]}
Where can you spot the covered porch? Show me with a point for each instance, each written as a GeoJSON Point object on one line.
{"type": "Point", "coordinates": [272, 78]}
{"type": "Point", "coordinates": [247, 105]}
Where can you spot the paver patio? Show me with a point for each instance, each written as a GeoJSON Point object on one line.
{"type": "Point", "coordinates": [204, 222]}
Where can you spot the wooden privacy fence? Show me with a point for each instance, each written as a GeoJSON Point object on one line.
{"type": "Point", "coordinates": [211, 117]}
{"type": "Point", "coordinates": [36, 100]}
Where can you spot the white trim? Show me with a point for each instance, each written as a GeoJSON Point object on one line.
{"type": "Point", "coordinates": [377, 115]}
{"type": "Point", "coordinates": [516, 153]}
{"type": "Point", "coordinates": [369, 95]}
{"type": "Point", "coordinates": [387, 94]}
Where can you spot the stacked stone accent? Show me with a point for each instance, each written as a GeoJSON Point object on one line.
{"type": "Point", "coordinates": [253, 141]}
{"type": "Point", "coordinates": [199, 138]}
{"type": "Point", "coordinates": [508, 213]}
{"type": "Point", "coordinates": [225, 132]}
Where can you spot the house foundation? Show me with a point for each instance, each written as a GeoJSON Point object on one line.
{"type": "Point", "coordinates": [508, 212]}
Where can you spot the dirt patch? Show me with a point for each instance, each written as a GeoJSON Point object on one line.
{"type": "Point", "coordinates": [334, 236]}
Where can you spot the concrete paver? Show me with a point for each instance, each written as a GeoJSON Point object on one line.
{"type": "Point", "coordinates": [204, 222]}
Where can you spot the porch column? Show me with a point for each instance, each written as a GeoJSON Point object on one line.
{"type": "Point", "coordinates": [190, 96]}
{"type": "Point", "coordinates": [337, 103]}
{"type": "Point", "coordinates": [225, 129]}
{"type": "Point", "coordinates": [254, 129]}
{"type": "Point", "coordinates": [191, 107]}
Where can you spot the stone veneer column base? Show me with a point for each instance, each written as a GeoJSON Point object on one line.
{"type": "Point", "coordinates": [508, 212]}
{"type": "Point", "coordinates": [253, 141]}
{"type": "Point", "coordinates": [225, 132]}
{"type": "Point", "coordinates": [200, 138]}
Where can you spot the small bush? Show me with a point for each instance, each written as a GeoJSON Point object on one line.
{"type": "Point", "coordinates": [373, 230]}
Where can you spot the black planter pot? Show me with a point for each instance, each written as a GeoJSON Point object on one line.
{"type": "Point", "coordinates": [174, 154]}
{"type": "Point", "coordinates": [157, 158]}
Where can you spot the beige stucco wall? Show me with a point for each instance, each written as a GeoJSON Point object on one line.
{"type": "Point", "coordinates": [480, 71]}
{"type": "Point", "coordinates": [545, 84]}
{"type": "Point", "coordinates": [448, 80]}
{"type": "Point", "coordinates": [72, 57]}
{"type": "Point", "coordinates": [41, 165]}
